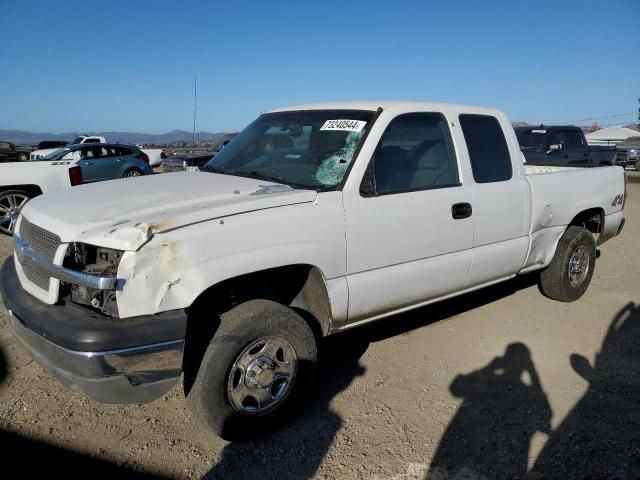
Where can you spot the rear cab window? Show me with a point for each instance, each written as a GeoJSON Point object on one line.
{"type": "Point", "coordinates": [487, 146]}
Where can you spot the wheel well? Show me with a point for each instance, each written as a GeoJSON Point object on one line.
{"type": "Point", "coordinates": [301, 287]}
{"type": "Point", "coordinates": [32, 190]}
{"type": "Point", "coordinates": [592, 220]}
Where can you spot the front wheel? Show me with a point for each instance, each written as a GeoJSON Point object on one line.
{"type": "Point", "coordinates": [259, 364]}
{"type": "Point", "coordinates": [133, 172]}
{"type": "Point", "coordinates": [569, 273]}
{"type": "Point", "coordinates": [11, 203]}
{"type": "Point", "coordinates": [23, 157]}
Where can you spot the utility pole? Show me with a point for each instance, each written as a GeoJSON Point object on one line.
{"type": "Point", "coordinates": [195, 107]}
{"type": "Point", "coordinates": [639, 114]}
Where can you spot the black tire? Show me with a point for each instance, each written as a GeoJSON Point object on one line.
{"type": "Point", "coordinates": [133, 172]}
{"type": "Point", "coordinates": [240, 328]}
{"type": "Point", "coordinates": [9, 200]}
{"type": "Point", "coordinates": [565, 278]}
{"type": "Point", "coordinates": [22, 157]}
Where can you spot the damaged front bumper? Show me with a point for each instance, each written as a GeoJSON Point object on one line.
{"type": "Point", "coordinates": [133, 360]}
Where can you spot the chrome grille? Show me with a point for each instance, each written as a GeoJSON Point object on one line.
{"type": "Point", "coordinates": [43, 242]}
{"type": "Point", "coordinates": [36, 277]}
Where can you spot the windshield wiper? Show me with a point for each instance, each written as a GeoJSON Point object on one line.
{"type": "Point", "coordinates": [259, 176]}
{"type": "Point", "coordinates": [208, 168]}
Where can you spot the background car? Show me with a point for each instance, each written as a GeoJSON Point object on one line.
{"type": "Point", "coordinates": [47, 144]}
{"type": "Point", "coordinates": [105, 161]}
{"type": "Point", "coordinates": [562, 145]}
{"type": "Point", "coordinates": [186, 161]}
{"type": "Point", "coordinates": [10, 152]}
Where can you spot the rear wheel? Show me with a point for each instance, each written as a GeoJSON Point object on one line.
{"type": "Point", "coordinates": [23, 156]}
{"type": "Point", "coordinates": [11, 203]}
{"type": "Point", "coordinates": [259, 364]}
{"type": "Point", "coordinates": [133, 172]}
{"type": "Point", "coordinates": [569, 273]}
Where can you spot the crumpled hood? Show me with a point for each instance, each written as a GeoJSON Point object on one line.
{"type": "Point", "coordinates": [124, 214]}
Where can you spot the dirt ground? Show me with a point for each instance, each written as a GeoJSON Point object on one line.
{"type": "Point", "coordinates": [503, 383]}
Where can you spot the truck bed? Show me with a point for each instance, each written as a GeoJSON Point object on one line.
{"type": "Point", "coordinates": [558, 194]}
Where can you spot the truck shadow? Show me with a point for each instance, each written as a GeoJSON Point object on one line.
{"type": "Point", "coordinates": [296, 450]}
{"type": "Point", "coordinates": [28, 458]}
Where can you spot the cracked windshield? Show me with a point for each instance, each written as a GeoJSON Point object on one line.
{"type": "Point", "coordinates": [301, 149]}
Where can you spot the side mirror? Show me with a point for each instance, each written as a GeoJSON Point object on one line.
{"type": "Point", "coordinates": [555, 147]}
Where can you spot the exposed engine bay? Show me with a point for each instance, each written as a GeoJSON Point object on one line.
{"type": "Point", "coordinates": [93, 260]}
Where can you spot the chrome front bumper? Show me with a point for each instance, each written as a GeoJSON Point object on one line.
{"type": "Point", "coordinates": [133, 375]}
{"type": "Point", "coordinates": [28, 256]}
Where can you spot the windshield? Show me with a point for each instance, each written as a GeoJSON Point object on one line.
{"type": "Point", "coordinates": [77, 140]}
{"type": "Point", "coordinates": [58, 154]}
{"type": "Point", "coordinates": [305, 149]}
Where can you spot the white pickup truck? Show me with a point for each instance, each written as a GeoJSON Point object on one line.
{"type": "Point", "coordinates": [20, 182]}
{"type": "Point", "coordinates": [315, 219]}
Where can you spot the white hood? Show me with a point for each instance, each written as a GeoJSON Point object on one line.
{"type": "Point", "coordinates": [124, 214]}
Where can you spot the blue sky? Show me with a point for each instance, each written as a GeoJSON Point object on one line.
{"type": "Point", "coordinates": [129, 65]}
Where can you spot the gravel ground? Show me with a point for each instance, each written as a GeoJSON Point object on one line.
{"type": "Point", "coordinates": [497, 384]}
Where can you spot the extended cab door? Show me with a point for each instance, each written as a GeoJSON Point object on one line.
{"type": "Point", "coordinates": [501, 198]}
{"type": "Point", "coordinates": [410, 228]}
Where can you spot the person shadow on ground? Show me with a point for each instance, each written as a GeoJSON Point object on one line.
{"type": "Point", "coordinates": [503, 405]}
{"type": "Point", "coordinates": [296, 450]}
{"type": "Point", "coordinates": [600, 438]}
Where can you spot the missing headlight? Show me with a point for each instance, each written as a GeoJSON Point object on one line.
{"type": "Point", "coordinates": [95, 261]}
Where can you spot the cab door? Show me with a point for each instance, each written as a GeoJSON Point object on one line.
{"type": "Point", "coordinates": [500, 199]}
{"type": "Point", "coordinates": [410, 228]}
{"type": "Point", "coordinates": [576, 148]}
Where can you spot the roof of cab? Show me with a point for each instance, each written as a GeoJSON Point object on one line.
{"type": "Point", "coordinates": [384, 104]}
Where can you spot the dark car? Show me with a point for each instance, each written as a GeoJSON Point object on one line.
{"type": "Point", "coordinates": [194, 160]}
{"type": "Point", "coordinates": [10, 152]}
{"type": "Point", "coordinates": [186, 161]}
{"type": "Point", "coordinates": [47, 144]}
{"type": "Point", "coordinates": [562, 145]}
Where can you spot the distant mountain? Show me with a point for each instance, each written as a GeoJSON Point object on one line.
{"type": "Point", "coordinates": [172, 137]}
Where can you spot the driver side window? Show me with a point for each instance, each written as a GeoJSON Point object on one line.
{"type": "Point", "coordinates": [415, 153]}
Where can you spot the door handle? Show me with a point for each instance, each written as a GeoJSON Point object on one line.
{"type": "Point", "coordinates": [120, 160]}
{"type": "Point", "coordinates": [87, 163]}
{"type": "Point", "coordinates": [461, 210]}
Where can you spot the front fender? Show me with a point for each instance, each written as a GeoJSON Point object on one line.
{"type": "Point", "coordinates": [174, 268]}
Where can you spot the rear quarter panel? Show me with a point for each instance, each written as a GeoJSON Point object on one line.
{"type": "Point", "coordinates": [49, 176]}
{"type": "Point", "coordinates": [560, 195]}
